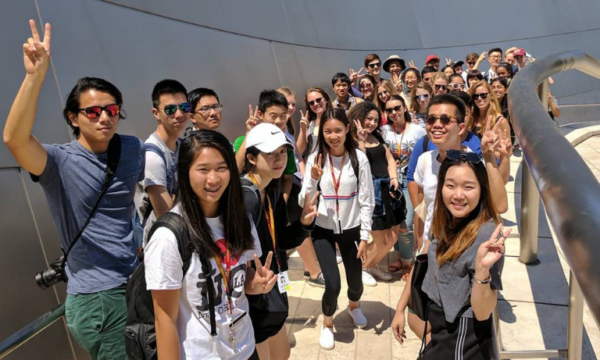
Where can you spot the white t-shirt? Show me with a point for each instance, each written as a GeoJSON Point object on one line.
{"type": "Point", "coordinates": [163, 266]}
{"type": "Point", "coordinates": [407, 141]}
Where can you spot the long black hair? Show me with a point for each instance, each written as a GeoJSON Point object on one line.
{"type": "Point", "coordinates": [360, 113]}
{"type": "Point", "coordinates": [349, 144]}
{"type": "Point", "coordinates": [233, 211]}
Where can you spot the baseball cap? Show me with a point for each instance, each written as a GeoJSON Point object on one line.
{"type": "Point", "coordinates": [267, 138]}
{"type": "Point", "coordinates": [458, 63]}
{"type": "Point", "coordinates": [431, 57]}
{"type": "Point", "coordinates": [519, 52]}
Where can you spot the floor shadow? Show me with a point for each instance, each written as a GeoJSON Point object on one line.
{"type": "Point", "coordinates": [507, 316]}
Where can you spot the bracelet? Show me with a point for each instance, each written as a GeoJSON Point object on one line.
{"type": "Point", "coordinates": [395, 177]}
{"type": "Point", "coordinates": [483, 282]}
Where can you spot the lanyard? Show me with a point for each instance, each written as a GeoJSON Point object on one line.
{"type": "Point", "coordinates": [226, 275]}
{"type": "Point", "coordinates": [336, 184]}
{"type": "Point", "coordinates": [398, 144]}
{"type": "Point", "coordinates": [270, 221]}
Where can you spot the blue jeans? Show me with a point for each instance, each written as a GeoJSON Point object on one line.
{"type": "Point", "coordinates": [406, 243]}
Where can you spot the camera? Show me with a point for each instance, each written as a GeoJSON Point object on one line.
{"type": "Point", "coordinates": [52, 275]}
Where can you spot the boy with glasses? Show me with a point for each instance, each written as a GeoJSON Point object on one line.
{"type": "Point", "coordinates": [207, 110]}
{"type": "Point", "coordinates": [373, 66]}
{"type": "Point", "coordinates": [494, 58]}
{"type": "Point", "coordinates": [171, 110]}
{"type": "Point", "coordinates": [72, 177]}
{"type": "Point", "coordinates": [471, 60]}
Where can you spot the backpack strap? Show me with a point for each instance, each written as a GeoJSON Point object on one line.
{"type": "Point", "coordinates": [248, 185]}
{"type": "Point", "coordinates": [176, 224]}
{"type": "Point", "coordinates": [425, 143]}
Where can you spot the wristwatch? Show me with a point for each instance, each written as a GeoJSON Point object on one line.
{"type": "Point", "coordinates": [483, 282]}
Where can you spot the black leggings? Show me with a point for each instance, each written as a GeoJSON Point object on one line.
{"type": "Point", "coordinates": [324, 241]}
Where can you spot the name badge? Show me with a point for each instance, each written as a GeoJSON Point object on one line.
{"type": "Point", "coordinates": [283, 281]}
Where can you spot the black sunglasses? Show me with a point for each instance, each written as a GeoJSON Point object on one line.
{"type": "Point", "coordinates": [482, 95]}
{"type": "Point", "coordinates": [395, 108]}
{"type": "Point", "coordinates": [458, 155]}
{"type": "Point", "coordinates": [444, 119]}
{"type": "Point", "coordinates": [471, 63]}
{"type": "Point", "coordinates": [440, 87]}
{"type": "Point", "coordinates": [315, 101]}
{"type": "Point", "coordinates": [94, 112]}
{"type": "Point", "coordinates": [171, 109]}
{"type": "Point", "coordinates": [375, 65]}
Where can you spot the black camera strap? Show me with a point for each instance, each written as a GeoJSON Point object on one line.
{"type": "Point", "coordinates": [113, 157]}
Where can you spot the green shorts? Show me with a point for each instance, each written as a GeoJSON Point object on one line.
{"type": "Point", "coordinates": [97, 322]}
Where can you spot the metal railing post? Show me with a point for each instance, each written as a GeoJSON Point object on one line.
{"type": "Point", "coordinates": [575, 322]}
{"type": "Point", "coordinates": [530, 202]}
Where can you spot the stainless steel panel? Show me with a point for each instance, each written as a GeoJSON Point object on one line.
{"type": "Point", "coordinates": [21, 257]}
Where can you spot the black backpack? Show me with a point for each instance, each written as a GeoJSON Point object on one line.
{"type": "Point", "coordinates": [140, 335]}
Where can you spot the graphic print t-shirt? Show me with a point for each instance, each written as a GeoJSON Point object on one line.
{"type": "Point", "coordinates": [163, 266]}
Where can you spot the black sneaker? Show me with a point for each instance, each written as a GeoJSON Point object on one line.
{"type": "Point", "coordinates": [318, 282]}
{"type": "Point", "coordinates": [306, 275]}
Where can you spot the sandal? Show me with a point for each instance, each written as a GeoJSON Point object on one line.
{"type": "Point", "coordinates": [395, 266]}
{"type": "Point", "coordinates": [406, 271]}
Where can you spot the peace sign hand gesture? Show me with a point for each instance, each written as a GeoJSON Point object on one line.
{"type": "Point", "coordinates": [490, 140]}
{"type": "Point", "coordinates": [253, 119]}
{"type": "Point", "coordinates": [355, 75]}
{"type": "Point", "coordinates": [492, 250]}
{"type": "Point", "coordinates": [303, 121]}
{"type": "Point", "coordinates": [505, 147]}
{"type": "Point", "coordinates": [36, 52]}
{"type": "Point", "coordinates": [448, 61]}
{"type": "Point", "coordinates": [411, 64]}
{"type": "Point", "coordinates": [361, 133]}
{"type": "Point", "coordinates": [264, 278]}
{"type": "Point", "coordinates": [309, 212]}
{"type": "Point", "coordinates": [317, 169]}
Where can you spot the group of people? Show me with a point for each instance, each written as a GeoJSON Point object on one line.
{"type": "Point", "coordinates": [418, 163]}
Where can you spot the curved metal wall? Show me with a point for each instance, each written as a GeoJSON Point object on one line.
{"type": "Point", "coordinates": [237, 48]}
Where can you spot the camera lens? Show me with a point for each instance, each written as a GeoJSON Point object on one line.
{"type": "Point", "coordinates": [47, 278]}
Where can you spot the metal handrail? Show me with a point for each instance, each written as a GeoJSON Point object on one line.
{"type": "Point", "coordinates": [30, 330]}
{"type": "Point", "coordinates": [568, 189]}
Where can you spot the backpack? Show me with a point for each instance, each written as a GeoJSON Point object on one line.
{"type": "Point", "coordinates": [140, 335]}
{"type": "Point", "coordinates": [256, 213]}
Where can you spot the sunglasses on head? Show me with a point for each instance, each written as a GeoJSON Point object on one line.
{"type": "Point", "coordinates": [444, 119]}
{"type": "Point", "coordinates": [374, 65]}
{"type": "Point", "coordinates": [315, 101]}
{"type": "Point", "coordinates": [422, 97]}
{"type": "Point", "coordinates": [94, 112]}
{"type": "Point", "coordinates": [458, 156]}
{"type": "Point", "coordinates": [395, 108]}
{"type": "Point", "coordinates": [172, 108]}
{"type": "Point", "coordinates": [482, 95]}
{"type": "Point", "coordinates": [440, 87]}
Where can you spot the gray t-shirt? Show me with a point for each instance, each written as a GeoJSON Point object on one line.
{"type": "Point", "coordinates": [105, 255]}
{"type": "Point", "coordinates": [450, 286]}
{"type": "Point", "coordinates": [161, 170]}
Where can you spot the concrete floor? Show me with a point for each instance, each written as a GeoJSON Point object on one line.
{"type": "Point", "coordinates": [533, 306]}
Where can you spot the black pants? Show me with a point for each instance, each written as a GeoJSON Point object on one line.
{"type": "Point", "coordinates": [324, 241]}
{"type": "Point", "coordinates": [254, 355]}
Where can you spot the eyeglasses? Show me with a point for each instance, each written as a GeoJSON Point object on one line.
{"type": "Point", "coordinates": [395, 108]}
{"type": "Point", "coordinates": [315, 101]}
{"type": "Point", "coordinates": [172, 108]}
{"type": "Point", "coordinates": [94, 112]}
{"type": "Point", "coordinates": [444, 119]}
{"type": "Point", "coordinates": [458, 155]}
{"type": "Point", "coordinates": [495, 56]}
{"type": "Point", "coordinates": [471, 63]}
{"type": "Point", "coordinates": [440, 87]}
{"type": "Point", "coordinates": [374, 65]}
{"type": "Point", "coordinates": [206, 109]}
{"type": "Point", "coordinates": [482, 95]}
{"type": "Point", "coordinates": [366, 86]}
{"type": "Point", "coordinates": [457, 86]}
{"type": "Point", "coordinates": [422, 97]}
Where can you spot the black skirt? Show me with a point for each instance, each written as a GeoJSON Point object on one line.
{"type": "Point", "coordinates": [392, 216]}
{"type": "Point", "coordinates": [464, 339]}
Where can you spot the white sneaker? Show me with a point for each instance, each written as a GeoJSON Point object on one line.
{"type": "Point", "coordinates": [359, 319]}
{"type": "Point", "coordinates": [379, 274]}
{"type": "Point", "coordinates": [338, 256]}
{"type": "Point", "coordinates": [367, 279]}
{"type": "Point", "coordinates": [326, 341]}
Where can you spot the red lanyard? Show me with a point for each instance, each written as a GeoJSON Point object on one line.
{"type": "Point", "coordinates": [336, 184]}
{"type": "Point", "coordinates": [226, 275]}
{"type": "Point", "coordinates": [398, 144]}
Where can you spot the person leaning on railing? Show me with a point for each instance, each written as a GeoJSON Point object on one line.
{"type": "Point", "coordinates": [72, 176]}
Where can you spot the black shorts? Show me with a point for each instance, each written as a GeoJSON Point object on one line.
{"type": "Point", "coordinates": [268, 313]}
